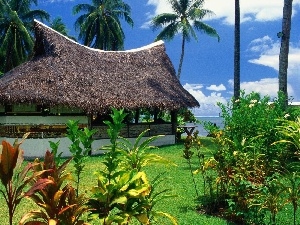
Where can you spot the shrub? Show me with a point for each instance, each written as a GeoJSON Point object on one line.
{"type": "Point", "coordinates": [123, 191]}
{"type": "Point", "coordinates": [13, 180]}
{"type": "Point", "coordinates": [57, 198]}
{"type": "Point", "coordinates": [247, 156]}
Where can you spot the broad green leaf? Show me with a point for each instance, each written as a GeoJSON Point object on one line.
{"type": "Point", "coordinates": [121, 200]}
{"type": "Point", "coordinates": [139, 191]}
{"type": "Point", "coordinates": [143, 218]}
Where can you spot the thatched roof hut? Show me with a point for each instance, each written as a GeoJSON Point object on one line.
{"type": "Point", "coordinates": [63, 72]}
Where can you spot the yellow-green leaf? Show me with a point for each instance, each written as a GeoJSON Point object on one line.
{"type": "Point", "coordinates": [143, 218]}
{"type": "Point", "coordinates": [120, 200]}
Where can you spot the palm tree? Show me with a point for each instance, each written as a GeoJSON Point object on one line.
{"type": "Point", "coordinates": [284, 49]}
{"type": "Point", "coordinates": [16, 42]}
{"type": "Point", "coordinates": [186, 16]}
{"type": "Point", "coordinates": [58, 25]}
{"type": "Point", "coordinates": [100, 25]}
{"type": "Point", "coordinates": [236, 77]}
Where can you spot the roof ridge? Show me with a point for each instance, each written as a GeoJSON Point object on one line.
{"type": "Point", "coordinates": [149, 46]}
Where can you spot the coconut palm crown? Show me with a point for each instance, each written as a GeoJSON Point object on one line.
{"type": "Point", "coordinates": [99, 26]}
{"type": "Point", "coordinates": [16, 23]}
{"type": "Point", "coordinates": [186, 19]}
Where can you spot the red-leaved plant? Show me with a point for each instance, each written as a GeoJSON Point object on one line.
{"type": "Point", "coordinates": [12, 178]}
{"type": "Point", "coordinates": [57, 198]}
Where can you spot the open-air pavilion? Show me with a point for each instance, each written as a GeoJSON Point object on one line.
{"type": "Point", "coordinates": [65, 80]}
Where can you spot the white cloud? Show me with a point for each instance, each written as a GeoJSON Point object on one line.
{"type": "Point", "coordinates": [208, 104]}
{"type": "Point", "coordinates": [266, 86]}
{"type": "Point", "coordinates": [214, 87]}
{"type": "Point", "coordinates": [268, 54]}
{"type": "Point", "coordinates": [254, 10]}
{"type": "Point", "coordinates": [161, 6]}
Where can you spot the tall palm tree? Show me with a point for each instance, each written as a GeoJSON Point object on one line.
{"type": "Point", "coordinates": [58, 25]}
{"type": "Point", "coordinates": [100, 26]}
{"type": "Point", "coordinates": [285, 44]}
{"type": "Point", "coordinates": [16, 40]}
{"type": "Point", "coordinates": [186, 17]}
{"type": "Point", "coordinates": [237, 33]}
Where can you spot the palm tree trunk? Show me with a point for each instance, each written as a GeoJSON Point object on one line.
{"type": "Point", "coordinates": [181, 58]}
{"type": "Point", "coordinates": [284, 49]}
{"type": "Point", "coordinates": [237, 34]}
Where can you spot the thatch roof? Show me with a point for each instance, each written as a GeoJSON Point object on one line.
{"type": "Point", "coordinates": [63, 72]}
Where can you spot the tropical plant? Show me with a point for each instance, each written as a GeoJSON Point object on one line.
{"type": "Point", "coordinates": [79, 138]}
{"type": "Point", "coordinates": [123, 192]}
{"type": "Point", "coordinates": [255, 116]}
{"type": "Point", "coordinates": [292, 188]}
{"type": "Point", "coordinates": [284, 48]}
{"type": "Point", "coordinates": [291, 134]}
{"type": "Point", "coordinates": [54, 150]}
{"type": "Point", "coordinates": [16, 42]}
{"type": "Point", "coordinates": [116, 196]}
{"type": "Point", "coordinates": [155, 196]}
{"type": "Point", "coordinates": [187, 154]}
{"type": "Point", "coordinates": [272, 198]}
{"type": "Point", "coordinates": [251, 150]}
{"type": "Point", "coordinates": [99, 23]}
{"type": "Point", "coordinates": [136, 155]}
{"type": "Point", "coordinates": [186, 17]}
{"type": "Point", "coordinates": [58, 25]}
{"type": "Point", "coordinates": [13, 181]}
{"type": "Point", "coordinates": [237, 44]}
{"type": "Point", "coordinates": [58, 200]}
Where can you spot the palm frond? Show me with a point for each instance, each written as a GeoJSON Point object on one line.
{"type": "Point", "coordinates": [169, 32]}
{"type": "Point", "coordinates": [200, 26]}
{"type": "Point", "coordinates": [162, 20]}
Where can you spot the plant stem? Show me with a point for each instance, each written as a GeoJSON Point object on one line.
{"type": "Point", "coordinates": [189, 162]}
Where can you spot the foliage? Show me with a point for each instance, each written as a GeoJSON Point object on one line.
{"type": "Point", "coordinates": [58, 200]}
{"type": "Point", "coordinates": [253, 116]}
{"type": "Point", "coordinates": [291, 184]}
{"type": "Point", "coordinates": [99, 23]}
{"type": "Point", "coordinates": [16, 42]}
{"type": "Point", "coordinates": [14, 181]}
{"type": "Point", "coordinates": [186, 17]}
{"type": "Point", "coordinates": [155, 196]}
{"type": "Point", "coordinates": [81, 146]}
{"type": "Point", "coordinates": [250, 153]}
{"type": "Point", "coordinates": [136, 156]}
{"type": "Point", "coordinates": [187, 154]}
{"type": "Point", "coordinates": [123, 190]}
{"type": "Point", "coordinates": [54, 150]}
{"type": "Point", "coordinates": [272, 198]}
{"type": "Point", "coordinates": [58, 25]}
{"type": "Point", "coordinates": [291, 134]}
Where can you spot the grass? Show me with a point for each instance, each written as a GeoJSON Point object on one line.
{"type": "Point", "coordinates": [178, 179]}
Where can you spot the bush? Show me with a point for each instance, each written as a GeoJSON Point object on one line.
{"type": "Point", "coordinates": [249, 153]}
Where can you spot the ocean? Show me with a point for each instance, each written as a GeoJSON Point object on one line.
{"type": "Point", "coordinates": [214, 119]}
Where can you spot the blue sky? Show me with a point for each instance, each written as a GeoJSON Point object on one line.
{"type": "Point", "coordinates": [207, 71]}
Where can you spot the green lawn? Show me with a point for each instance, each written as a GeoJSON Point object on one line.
{"type": "Point", "coordinates": [178, 179]}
